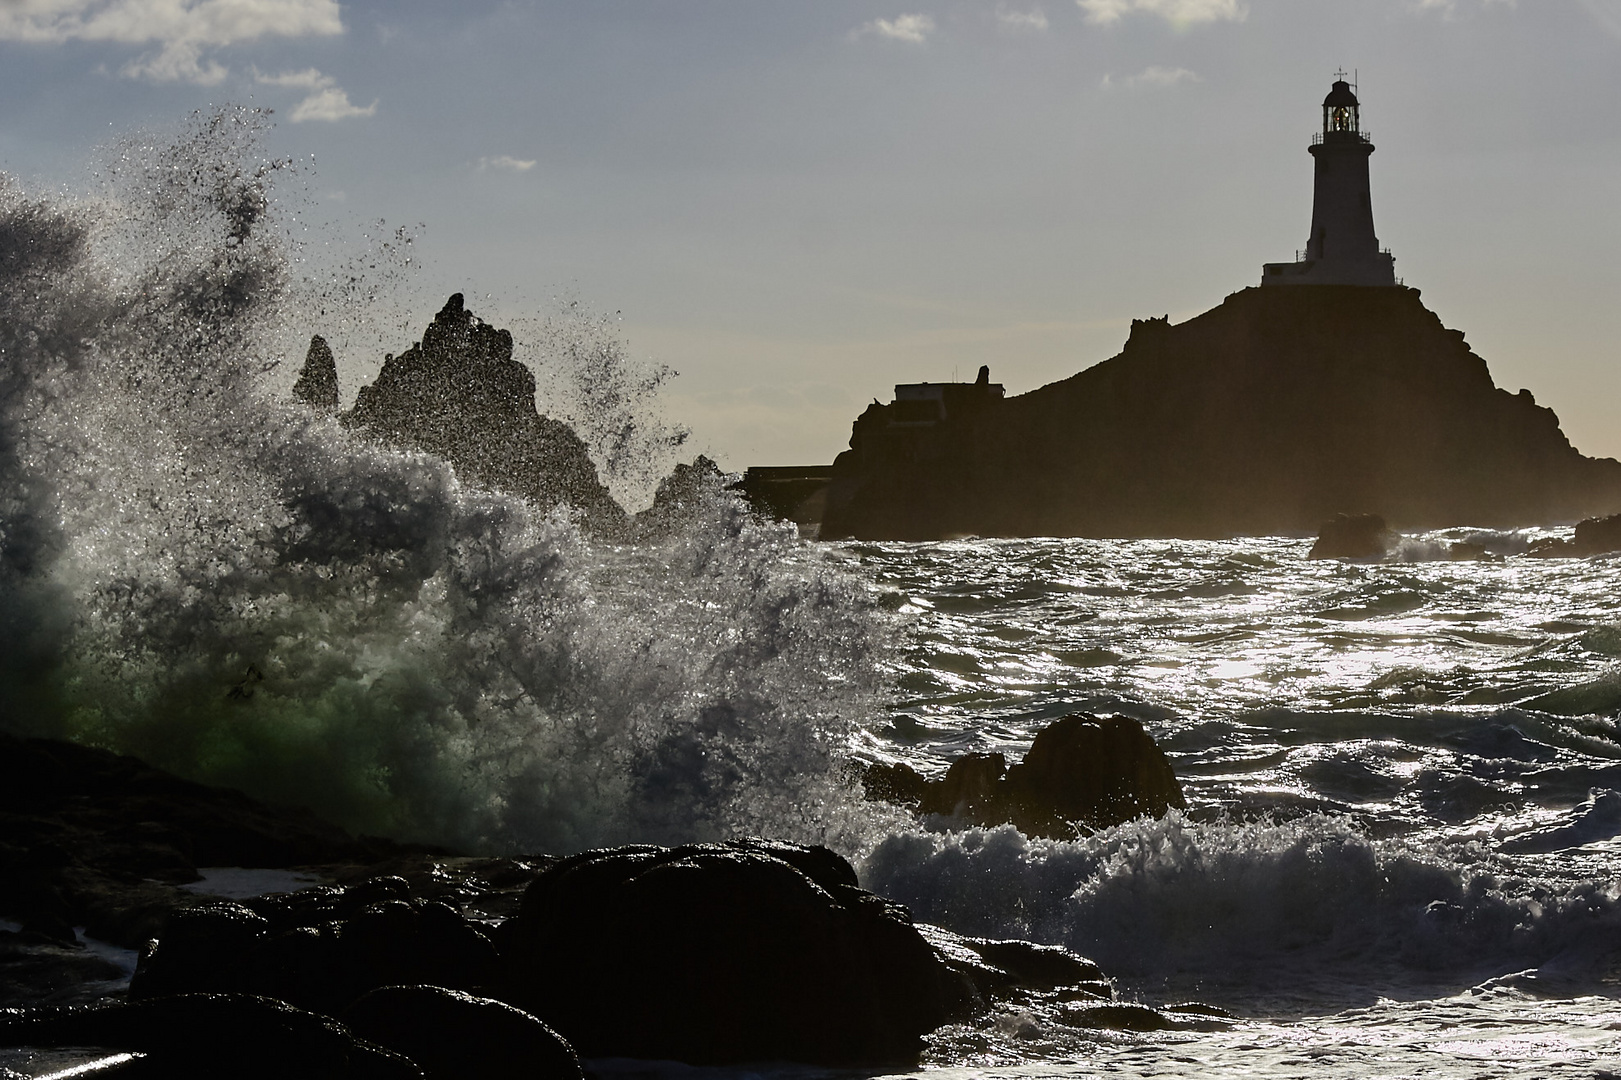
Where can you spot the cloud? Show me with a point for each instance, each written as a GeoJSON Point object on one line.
{"type": "Point", "coordinates": [182, 30]}
{"type": "Point", "coordinates": [1175, 12]}
{"type": "Point", "coordinates": [1033, 21]}
{"type": "Point", "coordinates": [1153, 77]}
{"type": "Point", "coordinates": [504, 161]}
{"type": "Point", "coordinates": [324, 100]}
{"type": "Point", "coordinates": [1010, 21]}
{"type": "Point", "coordinates": [912, 29]}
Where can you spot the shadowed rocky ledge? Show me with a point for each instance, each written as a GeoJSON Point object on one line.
{"type": "Point", "coordinates": [1264, 416]}
{"type": "Point", "coordinates": [720, 953]}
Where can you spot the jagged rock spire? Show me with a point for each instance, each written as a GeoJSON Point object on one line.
{"type": "Point", "coordinates": [317, 383]}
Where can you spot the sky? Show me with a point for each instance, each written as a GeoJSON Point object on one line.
{"type": "Point", "coordinates": [798, 204]}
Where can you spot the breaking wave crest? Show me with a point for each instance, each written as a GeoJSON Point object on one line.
{"type": "Point", "coordinates": [1313, 903]}
{"type": "Point", "coordinates": [233, 587]}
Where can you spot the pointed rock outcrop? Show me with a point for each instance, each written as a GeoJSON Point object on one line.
{"type": "Point", "coordinates": [317, 383]}
{"type": "Point", "coordinates": [459, 394]}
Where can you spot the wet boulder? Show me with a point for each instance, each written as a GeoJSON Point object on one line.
{"type": "Point", "coordinates": [211, 1035]}
{"type": "Point", "coordinates": [1092, 771]}
{"type": "Point", "coordinates": [320, 949]}
{"type": "Point", "coordinates": [1353, 536]}
{"type": "Point", "coordinates": [723, 953]}
{"type": "Point", "coordinates": [1001, 970]}
{"type": "Point", "coordinates": [457, 1036]}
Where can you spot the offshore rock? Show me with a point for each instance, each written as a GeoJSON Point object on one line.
{"type": "Point", "coordinates": [679, 499]}
{"type": "Point", "coordinates": [1263, 416]}
{"type": "Point", "coordinates": [459, 394]}
{"type": "Point", "coordinates": [456, 1036]}
{"type": "Point", "coordinates": [1595, 536]}
{"type": "Point", "coordinates": [317, 383]}
{"type": "Point", "coordinates": [742, 951]}
{"type": "Point", "coordinates": [208, 1036]}
{"type": "Point", "coordinates": [1082, 771]}
{"type": "Point", "coordinates": [1353, 536]}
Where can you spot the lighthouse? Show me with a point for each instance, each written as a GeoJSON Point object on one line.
{"type": "Point", "coordinates": [1342, 248]}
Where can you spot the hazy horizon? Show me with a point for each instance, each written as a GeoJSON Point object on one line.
{"type": "Point", "coordinates": [797, 206]}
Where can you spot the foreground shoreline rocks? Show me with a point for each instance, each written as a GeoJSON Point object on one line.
{"type": "Point", "coordinates": [748, 950]}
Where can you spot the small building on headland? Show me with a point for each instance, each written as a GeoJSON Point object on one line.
{"type": "Point", "coordinates": [920, 415]}
{"type": "Point", "coordinates": [925, 404]}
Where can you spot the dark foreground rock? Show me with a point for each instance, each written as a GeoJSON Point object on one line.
{"type": "Point", "coordinates": [456, 1036]}
{"type": "Point", "coordinates": [319, 949]}
{"type": "Point", "coordinates": [1082, 771]}
{"type": "Point", "coordinates": [1353, 536]}
{"type": "Point", "coordinates": [209, 1036]}
{"type": "Point", "coordinates": [1594, 536]}
{"type": "Point", "coordinates": [725, 953]}
{"type": "Point", "coordinates": [459, 394]}
{"type": "Point", "coordinates": [713, 953]}
{"type": "Point", "coordinates": [94, 839]}
{"type": "Point", "coordinates": [1262, 417]}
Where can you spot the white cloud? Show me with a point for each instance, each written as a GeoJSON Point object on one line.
{"type": "Point", "coordinates": [1175, 12]}
{"type": "Point", "coordinates": [505, 161]}
{"type": "Point", "coordinates": [1153, 77]}
{"type": "Point", "coordinates": [325, 100]}
{"type": "Point", "coordinates": [182, 30]}
{"type": "Point", "coordinates": [330, 104]}
{"type": "Point", "coordinates": [1449, 8]}
{"type": "Point", "coordinates": [913, 29]}
{"type": "Point", "coordinates": [1021, 22]}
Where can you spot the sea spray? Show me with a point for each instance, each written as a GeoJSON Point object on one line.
{"type": "Point", "coordinates": [229, 585]}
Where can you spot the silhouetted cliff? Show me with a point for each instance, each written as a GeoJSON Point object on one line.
{"type": "Point", "coordinates": [1266, 415]}
{"type": "Point", "coordinates": [460, 395]}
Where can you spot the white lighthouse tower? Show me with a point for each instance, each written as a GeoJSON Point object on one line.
{"type": "Point", "coordinates": [1343, 249]}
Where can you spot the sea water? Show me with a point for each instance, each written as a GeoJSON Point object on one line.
{"type": "Point", "coordinates": [1402, 849]}
{"type": "Point", "coordinates": [1404, 778]}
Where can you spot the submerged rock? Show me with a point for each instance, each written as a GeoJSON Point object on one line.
{"type": "Point", "coordinates": [1082, 771]}
{"type": "Point", "coordinates": [459, 394]}
{"type": "Point", "coordinates": [1353, 536]}
{"type": "Point", "coordinates": [726, 953]}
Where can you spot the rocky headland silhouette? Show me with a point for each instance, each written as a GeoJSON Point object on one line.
{"type": "Point", "coordinates": [1266, 415]}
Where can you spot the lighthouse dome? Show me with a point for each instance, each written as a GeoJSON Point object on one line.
{"type": "Point", "coordinates": [1339, 95]}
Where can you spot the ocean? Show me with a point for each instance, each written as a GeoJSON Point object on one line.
{"type": "Point", "coordinates": [1400, 852]}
